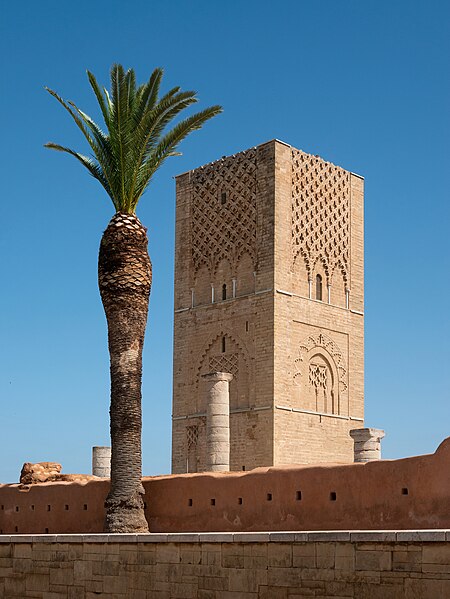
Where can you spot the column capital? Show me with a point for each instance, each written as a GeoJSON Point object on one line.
{"type": "Point", "coordinates": [364, 434]}
{"type": "Point", "coordinates": [217, 376]}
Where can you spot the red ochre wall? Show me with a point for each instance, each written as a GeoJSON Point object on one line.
{"type": "Point", "coordinates": [412, 493]}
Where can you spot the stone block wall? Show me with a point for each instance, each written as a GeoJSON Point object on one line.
{"type": "Point", "coordinates": [329, 565]}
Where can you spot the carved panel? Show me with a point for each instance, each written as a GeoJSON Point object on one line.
{"type": "Point", "coordinates": [320, 340]}
{"type": "Point", "coordinates": [192, 435]}
{"type": "Point", "coordinates": [321, 375]}
{"type": "Point", "coordinates": [320, 214]}
{"type": "Point", "coordinates": [225, 363]}
{"type": "Point", "coordinates": [223, 219]}
{"type": "Point", "coordinates": [234, 360]}
{"type": "Point", "coordinates": [318, 375]}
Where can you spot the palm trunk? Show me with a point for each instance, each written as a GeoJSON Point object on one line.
{"type": "Point", "coordinates": [125, 275]}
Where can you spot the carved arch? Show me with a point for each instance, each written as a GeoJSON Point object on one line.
{"type": "Point", "coordinates": [320, 368]}
{"type": "Point", "coordinates": [322, 262]}
{"type": "Point", "coordinates": [234, 359]}
{"type": "Point", "coordinates": [340, 268]}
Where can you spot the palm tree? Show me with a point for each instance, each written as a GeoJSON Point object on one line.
{"type": "Point", "coordinates": [125, 158]}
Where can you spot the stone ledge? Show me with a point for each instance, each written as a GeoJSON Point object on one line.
{"type": "Point", "coordinates": [318, 536]}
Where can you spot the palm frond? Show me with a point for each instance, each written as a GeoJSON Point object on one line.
{"type": "Point", "coordinates": [74, 116]}
{"type": "Point", "coordinates": [100, 97]}
{"type": "Point", "coordinates": [93, 168]}
{"type": "Point", "coordinates": [168, 145]}
{"type": "Point", "coordinates": [134, 144]}
{"type": "Point", "coordinates": [147, 95]}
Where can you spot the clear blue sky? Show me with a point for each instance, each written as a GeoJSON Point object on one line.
{"type": "Point", "coordinates": [363, 84]}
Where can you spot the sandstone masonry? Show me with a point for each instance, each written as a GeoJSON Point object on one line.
{"type": "Point", "coordinates": [330, 565]}
{"type": "Point", "coordinates": [269, 287]}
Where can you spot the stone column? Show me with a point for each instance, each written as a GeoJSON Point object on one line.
{"type": "Point", "coordinates": [367, 444]}
{"type": "Point", "coordinates": [218, 421]}
{"type": "Point", "coordinates": [101, 461]}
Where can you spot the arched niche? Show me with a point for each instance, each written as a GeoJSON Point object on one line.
{"type": "Point", "coordinates": [222, 276]}
{"type": "Point", "coordinates": [224, 354]}
{"type": "Point", "coordinates": [300, 275]}
{"type": "Point", "coordinates": [320, 273]}
{"type": "Point", "coordinates": [338, 286]}
{"type": "Point", "coordinates": [322, 390]}
{"type": "Point", "coordinates": [245, 279]}
{"type": "Point", "coordinates": [202, 286]}
{"type": "Point", "coordinates": [320, 376]}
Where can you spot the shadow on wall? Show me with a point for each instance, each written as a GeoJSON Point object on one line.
{"type": "Point", "coordinates": [412, 493]}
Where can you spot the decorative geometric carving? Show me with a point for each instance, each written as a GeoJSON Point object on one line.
{"type": "Point", "coordinates": [225, 363]}
{"type": "Point", "coordinates": [235, 360]}
{"type": "Point", "coordinates": [223, 220]}
{"type": "Point", "coordinates": [320, 340]}
{"type": "Point", "coordinates": [192, 435]}
{"type": "Point", "coordinates": [318, 375]}
{"type": "Point", "coordinates": [320, 214]}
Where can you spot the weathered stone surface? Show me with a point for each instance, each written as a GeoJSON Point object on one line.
{"type": "Point", "coordinates": [217, 421]}
{"type": "Point", "coordinates": [249, 567]}
{"type": "Point", "coordinates": [46, 472]}
{"type": "Point", "coordinates": [101, 461]}
{"type": "Point", "coordinates": [367, 444]}
{"type": "Point", "coordinates": [39, 473]}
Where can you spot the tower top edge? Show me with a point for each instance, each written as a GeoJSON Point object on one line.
{"type": "Point", "coordinates": [270, 141]}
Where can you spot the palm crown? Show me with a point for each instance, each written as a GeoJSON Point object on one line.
{"type": "Point", "coordinates": [136, 143]}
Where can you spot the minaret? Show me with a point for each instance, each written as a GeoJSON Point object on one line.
{"type": "Point", "coordinates": [269, 288]}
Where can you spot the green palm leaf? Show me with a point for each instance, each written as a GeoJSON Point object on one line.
{"type": "Point", "coordinates": [137, 140]}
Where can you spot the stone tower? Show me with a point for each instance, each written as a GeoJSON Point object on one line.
{"type": "Point", "coordinates": [269, 288]}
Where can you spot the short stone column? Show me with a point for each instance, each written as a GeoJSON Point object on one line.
{"type": "Point", "coordinates": [217, 421]}
{"type": "Point", "coordinates": [101, 461]}
{"type": "Point", "coordinates": [367, 444]}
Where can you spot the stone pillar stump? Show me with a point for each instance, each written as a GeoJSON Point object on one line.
{"type": "Point", "coordinates": [101, 461]}
{"type": "Point", "coordinates": [367, 444]}
{"type": "Point", "coordinates": [217, 421]}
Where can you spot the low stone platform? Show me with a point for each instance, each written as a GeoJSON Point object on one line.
{"type": "Point", "coordinates": [388, 564]}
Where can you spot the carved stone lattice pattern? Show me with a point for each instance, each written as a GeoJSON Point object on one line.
{"type": "Point", "coordinates": [320, 214]}
{"type": "Point", "coordinates": [223, 221]}
{"type": "Point", "coordinates": [225, 363]}
{"type": "Point", "coordinates": [192, 435]}
{"type": "Point", "coordinates": [318, 376]}
{"type": "Point", "coordinates": [322, 341]}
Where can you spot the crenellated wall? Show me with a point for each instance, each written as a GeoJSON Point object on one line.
{"type": "Point", "coordinates": [412, 493]}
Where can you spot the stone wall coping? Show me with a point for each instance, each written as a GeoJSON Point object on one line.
{"type": "Point", "coordinates": [325, 536]}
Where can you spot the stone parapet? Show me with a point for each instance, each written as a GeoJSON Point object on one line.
{"type": "Point", "coordinates": [432, 535]}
